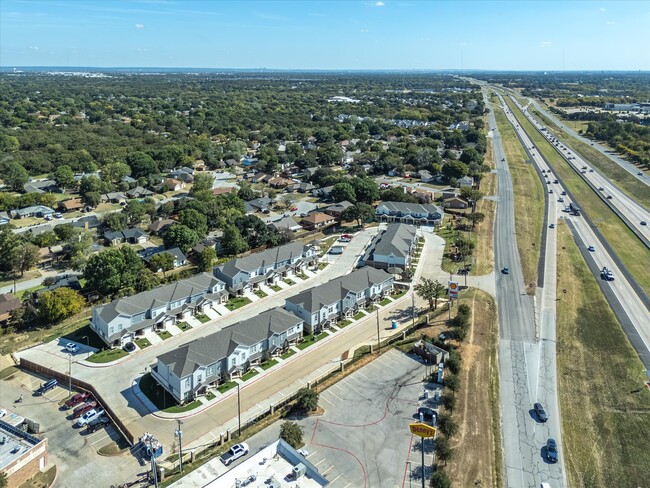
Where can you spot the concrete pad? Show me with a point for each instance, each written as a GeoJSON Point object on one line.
{"type": "Point", "coordinates": [153, 338]}
{"type": "Point", "coordinates": [211, 313]}
{"type": "Point", "coordinates": [174, 330]}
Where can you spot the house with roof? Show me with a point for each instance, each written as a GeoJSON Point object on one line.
{"type": "Point", "coordinates": [465, 182]}
{"type": "Point", "coordinates": [307, 173]}
{"type": "Point", "coordinates": [184, 174]}
{"type": "Point", "coordinates": [262, 204]}
{"type": "Point", "coordinates": [130, 236]}
{"type": "Point", "coordinates": [279, 182]}
{"type": "Point", "coordinates": [224, 190]}
{"type": "Point", "coordinates": [317, 220]}
{"type": "Point", "coordinates": [391, 247]}
{"type": "Point", "coordinates": [42, 186]}
{"type": "Point", "coordinates": [72, 205]}
{"type": "Point", "coordinates": [339, 298]}
{"type": "Point", "coordinates": [126, 318]}
{"type": "Point", "coordinates": [32, 211]}
{"type": "Point", "coordinates": [179, 257]}
{"type": "Point", "coordinates": [159, 226]}
{"type": "Point", "coordinates": [455, 202]}
{"type": "Point", "coordinates": [303, 187]}
{"type": "Point", "coordinates": [139, 192]}
{"type": "Point", "coordinates": [113, 197]}
{"type": "Point", "coordinates": [4, 218]}
{"type": "Point", "coordinates": [8, 303]}
{"type": "Point", "coordinates": [231, 163]}
{"type": "Point", "coordinates": [285, 223]}
{"type": "Point", "coordinates": [409, 213]}
{"type": "Point", "coordinates": [170, 184]}
{"type": "Point", "coordinates": [194, 368]}
{"type": "Point", "coordinates": [246, 273]}
{"type": "Point", "coordinates": [337, 209]}
{"type": "Point", "coordinates": [323, 192]}
{"type": "Point", "coordinates": [425, 176]}
{"type": "Point", "coordinates": [88, 222]}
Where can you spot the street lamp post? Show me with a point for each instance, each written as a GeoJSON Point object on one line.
{"type": "Point", "coordinates": [408, 463]}
{"type": "Point", "coordinates": [238, 412]}
{"type": "Point", "coordinates": [179, 434]}
{"type": "Point", "coordinates": [69, 374]}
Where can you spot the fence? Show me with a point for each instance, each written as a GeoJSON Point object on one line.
{"type": "Point", "coordinates": [81, 385]}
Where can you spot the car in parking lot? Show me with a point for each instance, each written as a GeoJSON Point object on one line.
{"type": "Point", "coordinates": [129, 347]}
{"type": "Point", "coordinates": [3, 412]}
{"type": "Point", "coordinates": [76, 399]}
{"type": "Point", "coordinates": [97, 424]}
{"type": "Point", "coordinates": [45, 387]}
{"type": "Point", "coordinates": [551, 451]}
{"type": "Point", "coordinates": [540, 412]}
{"type": "Point", "coordinates": [89, 416]}
{"type": "Point", "coordinates": [234, 453]}
{"type": "Point", "coordinates": [71, 347]}
{"type": "Point", "coordinates": [82, 409]}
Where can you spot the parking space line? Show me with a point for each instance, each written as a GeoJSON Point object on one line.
{"type": "Point", "coordinates": [99, 440]}
{"type": "Point", "coordinates": [316, 464]}
{"type": "Point", "coordinates": [327, 470]}
{"type": "Point", "coordinates": [323, 397]}
{"type": "Point", "coordinates": [336, 478]}
{"type": "Point", "coordinates": [389, 360]}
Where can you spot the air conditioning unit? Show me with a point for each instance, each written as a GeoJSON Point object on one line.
{"type": "Point", "coordinates": [299, 471]}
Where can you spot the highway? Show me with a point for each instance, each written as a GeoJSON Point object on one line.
{"type": "Point", "coordinates": [630, 211]}
{"type": "Point", "coordinates": [526, 346]}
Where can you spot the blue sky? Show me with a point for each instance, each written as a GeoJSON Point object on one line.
{"type": "Point", "coordinates": [409, 34]}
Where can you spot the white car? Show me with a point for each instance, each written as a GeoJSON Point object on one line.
{"type": "Point", "coordinates": [89, 416]}
{"type": "Point", "coordinates": [71, 347]}
{"type": "Point", "coordinates": [3, 412]}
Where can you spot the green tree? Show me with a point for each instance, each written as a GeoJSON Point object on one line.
{"type": "Point", "coordinates": [202, 182]}
{"type": "Point", "coordinates": [476, 218]}
{"type": "Point", "coordinates": [113, 173]}
{"type": "Point", "coordinates": [59, 304]}
{"type": "Point", "coordinates": [453, 362]}
{"type": "Point", "coordinates": [232, 242]}
{"type": "Point", "coordinates": [447, 425]}
{"type": "Point", "coordinates": [64, 231]}
{"type": "Point", "coordinates": [361, 212]}
{"type": "Point", "coordinates": [113, 270]}
{"type": "Point", "coordinates": [24, 256]}
{"type": "Point", "coordinates": [163, 261]}
{"type": "Point", "coordinates": [180, 236]}
{"type": "Point", "coordinates": [134, 212]}
{"type": "Point", "coordinates": [442, 449]}
{"type": "Point", "coordinates": [90, 184]}
{"type": "Point", "coordinates": [4, 483]}
{"type": "Point", "coordinates": [116, 221]}
{"type": "Point", "coordinates": [142, 165]}
{"type": "Point", "coordinates": [14, 175]}
{"type": "Point", "coordinates": [92, 198]}
{"type": "Point", "coordinates": [291, 433]}
{"type": "Point", "coordinates": [454, 169]}
{"type": "Point", "coordinates": [343, 191]}
{"type": "Point", "coordinates": [246, 192]}
{"type": "Point", "coordinates": [9, 143]}
{"type": "Point", "coordinates": [452, 382]}
{"type": "Point", "coordinates": [365, 189]}
{"type": "Point", "coordinates": [64, 177]}
{"type": "Point", "coordinates": [429, 290]}
{"type": "Point", "coordinates": [448, 401]}
{"type": "Point", "coordinates": [440, 480]}
{"type": "Point", "coordinates": [194, 220]}
{"type": "Point", "coordinates": [206, 259]}
{"type": "Point", "coordinates": [307, 400]}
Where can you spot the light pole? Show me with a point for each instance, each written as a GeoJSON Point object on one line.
{"type": "Point", "coordinates": [408, 463]}
{"type": "Point", "coordinates": [179, 434]}
{"type": "Point", "coordinates": [69, 374]}
{"type": "Point", "coordinates": [238, 412]}
{"type": "Point", "coordinates": [378, 339]}
{"type": "Point", "coordinates": [413, 309]}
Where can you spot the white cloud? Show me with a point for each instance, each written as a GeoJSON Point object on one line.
{"type": "Point", "coordinates": [33, 48]}
{"type": "Point", "coordinates": [364, 30]}
{"type": "Point", "coordinates": [463, 44]}
{"type": "Point", "coordinates": [603, 9]}
{"type": "Point", "coordinates": [379, 4]}
{"type": "Point", "coordinates": [545, 44]}
{"type": "Point", "coordinates": [139, 26]}
{"type": "Point", "coordinates": [142, 49]}
{"type": "Point", "coordinates": [610, 22]}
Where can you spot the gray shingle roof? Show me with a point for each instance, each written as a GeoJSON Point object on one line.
{"type": "Point", "coordinates": [262, 259]}
{"type": "Point", "coordinates": [410, 208]}
{"type": "Point", "coordinates": [396, 239]}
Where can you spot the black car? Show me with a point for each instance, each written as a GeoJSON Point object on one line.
{"type": "Point", "coordinates": [129, 347]}
{"type": "Point", "coordinates": [540, 412]}
{"type": "Point", "coordinates": [505, 270]}
{"type": "Point", "coordinates": [97, 424]}
{"type": "Point", "coordinates": [46, 387]}
{"type": "Point", "coordinates": [551, 451]}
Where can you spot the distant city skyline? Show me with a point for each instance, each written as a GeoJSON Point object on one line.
{"type": "Point", "coordinates": [327, 35]}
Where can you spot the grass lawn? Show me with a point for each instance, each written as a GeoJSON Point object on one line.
{"type": "Point", "coordinates": [529, 201]}
{"type": "Point", "coordinates": [210, 396]}
{"type": "Point", "coordinates": [358, 315]}
{"type": "Point", "coordinates": [223, 388]}
{"type": "Point", "coordinates": [310, 340]}
{"type": "Point", "coordinates": [628, 247]}
{"type": "Point", "coordinates": [161, 397]}
{"type": "Point", "coordinates": [325, 244]}
{"type": "Point", "coordinates": [235, 303]}
{"type": "Point", "coordinates": [107, 355]}
{"type": "Point", "coordinates": [385, 301]}
{"type": "Point", "coordinates": [203, 318]}
{"type": "Point", "coordinates": [302, 276]}
{"type": "Point", "coordinates": [142, 343]}
{"type": "Point", "coordinates": [343, 323]}
{"type": "Point", "coordinates": [260, 293]}
{"type": "Point", "coordinates": [164, 334]}
{"type": "Point", "coordinates": [322, 266]}
{"type": "Point", "coordinates": [249, 374]}
{"type": "Point", "coordinates": [288, 354]}
{"type": "Point", "coordinates": [184, 326]}
{"type": "Point", "coordinates": [371, 309]}
{"type": "Point", "coordinates": [41, 480]}
{"type": "Point", "coordinates": [275, 288]}
{"type": "Point", "coordinates": [269, 364]}
{"type": "Point", "coordinates": [20, 294]}
{"type": "Point", "coordinates": [289, 282]}
{"type": "Point", "coordinates": [398, 294]}
{"type": "Point", "coordinates": [604, 404]}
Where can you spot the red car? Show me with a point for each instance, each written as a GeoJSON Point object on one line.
{"type": "Point", "coordinates": [77, 399]}
{"type": "Point", "coordinates": [81, 409]}
{"type": "Point", "coordinates": [347, 236]}
{"type": "Point", "coordinates": [294, 209]}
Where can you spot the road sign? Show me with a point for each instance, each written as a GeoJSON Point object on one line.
{"type": "Point", "coordinates": [422, 430]}
{"type": "Point", "coordinates": [453, 289]}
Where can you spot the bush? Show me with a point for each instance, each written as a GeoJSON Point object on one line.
{"type": "Point", "coordinates": [291, 433]}
{"type": "Point", "coordinates": [440, 480]}
{"type": "Point", "coordinates": [307, 400]}
{"type": "Point", "coordinates": [447, 425]}
{"type": "Point", "coordinates": [448, 401]}
{"type": "Point", "coordinates": [452, 382]}
{"type": "Point", "coordinates": [453, 362]}
{"type": "Point", "coordinates": [442, 449]}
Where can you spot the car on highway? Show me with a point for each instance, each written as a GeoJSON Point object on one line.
{"type": "Point", "coordinates": [609, 197]}
{"type": "Point", "coordinates": [563, 193]}
{"type": "Point", "coordinates": [76, 399]}
{"type": "Point", "coordinates": [601, 189]}
{"type": "Point", "coordinates": [555, 182]}
{"type": "Point", "coordinates": [505, 270]}
{"type": "Point", "coordinates": [639, 173]}
{"type": "Point", "coordinates": [643, 222]}
{"type": "Point", "coordinates": [551, 190]}
{"type": "Point", "coordinates": [591, 248]}
{"type": "Point", "coordinates": [591, 170]}
{"type": "Point", "coordinates": [129, 347]}
{"type": "Point", "coordinates": [88, 417]}
{"type": "Point", "coordinates": [540, 412]}
{"type": "Point", "coordinates": [234, 453]}
{"type": "Point", "coordinates": [552, 226]}
{"type": "Point", "coordinates": [607, 274]}
{"type": "Point", "coordinates": [561, 200]}
{"type": "Point", "coordinates": [551, 451]}
{"type": "Point", "coordinates": [71, 347]}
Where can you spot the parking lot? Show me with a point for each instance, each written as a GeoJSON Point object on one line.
{"type": "Point", "coordinates": [363, 438]}
{"type": "Point", "coordinates": [72, 449]}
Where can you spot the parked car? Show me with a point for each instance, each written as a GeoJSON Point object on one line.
{"type": "Point", "coordinates": [97, 424]}
{"type": "Point", "coordinates": [540, 412]}
{"type": "Point", "coordinates": [234, 453]}
{"type": "Point", "coordinates": [76, 399]}
{"type": "Point", "coordinates": [45, 387]}
{"type": "Point", "coordinates": [58, 215]}
{"type": "Point", "coordinates": [427, 414]}
{"type": "Point", "coordinates": [3, 412]}
{"type": "Point", "coordinates": [89, 416]}
{"type": "Point", "coordinates": [71, 347]}
{"type": "Point", "coordinates": [551, 451]}
{"type": "Point", "coordinates": [82, 409]}
{"type": "Point", "coordinates": [294, 209]}
{"type": "Point", "coordinates": [129, 347]}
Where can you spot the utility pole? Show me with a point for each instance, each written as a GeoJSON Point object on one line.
{"type": "Point", "coordinates": [238, 412]}
{"type": "Point", "coordinates": [422, 438]}
{"type": "Point", "coordinates": [69, 374]}
{"type": "Point", "coordinates": [413, 309]}
{"type": "Point", "coordinates": [153, 463]}
{"type": "Point", "coordinates": [378, 339]}
{"type": "Point", "coordinates": [179, 434]}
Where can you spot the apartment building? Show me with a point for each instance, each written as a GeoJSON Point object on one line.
{"type": "Point", "coordinates": [392, 247]}
{"type": "Point", "coordinates": [409, 213]}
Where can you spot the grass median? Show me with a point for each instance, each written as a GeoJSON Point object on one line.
{"type": "Point", "coordinates": [628, 247]}
{"type": "Point", "coordinates": [529, 201]}
{"type": "Point", "coordinates": [604, 403]}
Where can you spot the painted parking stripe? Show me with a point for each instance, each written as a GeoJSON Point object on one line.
{"type": "Point", "coordinates": [324, 398]}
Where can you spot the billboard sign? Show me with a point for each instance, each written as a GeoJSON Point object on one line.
{"type": "Point", "coordinates": [452, 289]}
{"type": "Point", "coordinates": [422, 430]}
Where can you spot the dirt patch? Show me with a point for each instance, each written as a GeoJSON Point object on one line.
{"type": "Point", "coordinates": [41, 480]}
{"type": "Point", "coordinates": [477, 453]}
{"type": "Point", "coordinates": [113, 449]}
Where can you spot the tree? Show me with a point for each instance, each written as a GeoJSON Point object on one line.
{"type": "Point", "coordinates": [454, 169]}
{"type": "Point", "coordinates": [202, 182]}
{"type": "Point", "coordinates": [343, 191]}
{"type": "Point", "coordinates": [442, 449]}
{"type": "Point", "coordinates": [440, 480]}
{"type": "Point", "coordinates": [163, 261]}
{"type": "Point", "coordinates": [476, 218]}
{"type": "Point", "coordinates": [141, 164]}
{"type": "Point", "coordinates": [92, 198]}
{"type": "Point", "coordinates": [291, 433]}
{"type": "Point", "coordinates": [64, 177]}
{"type": "Point", "coordinates": [180, 236]}
{"type": "Point", "coordinates": [471, 155]}
{"type": "Point", "coordinates": [452, 382]}
{"type": "Point", "coordinates": [396, 194]}
{"type": "Point", "coordinates": [113, 173]}
{"type": "Point", "coordinates": [90, 184]}
{"type": "Point", "coordinates": [246, 192]}
{"type": "Point", "coordinates": [194, 220]}
{"type": "Point", "coordinates": [453, 362]}
{"type": "Point", "coordinates": [365, 189]}
{"type": "Point", "coordinates": [464, 247]}
{"type": "Point", "coordinates": [3, 480]}
{"type": "Point", "coordinates": [232, 242]}
{"type": "Point", "coordinates": [116, 221]}
{"type": "Point", "coordinates": [448, 401]}
{"type": "Point", "coordinates": [113, 270]}
{"type": "Point", "coordinates": [59, 304]}
{"type": "Point", "coordinates": [361, 212]}
{"type": "Point", "coordinates": [447, 425]}
{"type": "Point", "coordinates": [23, 257]}
{"type": "Point", "coordinates": [206, 259]}
{"type": "Point", "coordinates": [429, 290]}
{"type": "Point", "coordinates": [307, 400]}
{"type": "Point", "coordinates": [14, 175]}
{"type": "Point", "coordinates": [134, 211]}
{"type": "Point", "coordinates": [64, 231]}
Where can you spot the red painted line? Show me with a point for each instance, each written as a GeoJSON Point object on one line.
{"type": "Point", "coordinates": [408, 455]}
{"type": "Point", "coordinates": [363, 469]}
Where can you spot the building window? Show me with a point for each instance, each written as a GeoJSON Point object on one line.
{"type": "Point", "coordinates": [233, 362]}
{"type": "Point", "coordinates": [188, 383]}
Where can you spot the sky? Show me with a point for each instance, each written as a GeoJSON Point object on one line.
{"type": "Point", "coordinates": [334, 34]}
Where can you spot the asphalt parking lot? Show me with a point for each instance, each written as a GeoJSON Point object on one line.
{"type": "Point", "coordinates": [70, 448]}
{"type": "Point", "coordinates": [363, 438]}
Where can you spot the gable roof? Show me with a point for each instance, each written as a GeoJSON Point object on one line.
{"type": "Point", "coordinates": [396, 239]}
{"type": "Point", "coordinates": [262, 259]}
{"type": "Point", "coordinates": [410, 208]}
{"type": "Point", "coordinates": [317, 218]}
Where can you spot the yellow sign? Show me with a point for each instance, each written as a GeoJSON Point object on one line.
{"type": "Point", "coordinates": [423, 430]}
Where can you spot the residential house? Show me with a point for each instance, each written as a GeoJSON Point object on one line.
{"type": "Point", "coordinates": [4, 218]}
{"type": "Point", "coordinates": [113, 197]}
{"type": "Point", "coordinates": [259, 178]}
{"type": "Point", "coordinates": [51, 284]}
{"type": "Point", "coordinates": [231, 163]}
{"type": "Point", "coordinates": [170, 184]}
{"type": "Point", "coordinates": [33, 211]}
{"type": "Point", "coordinates": [459, 126]}
{"type": "Point", "coordinates": [125, 318]}
{"type": "Point", "coordinates": [262, 204]}
{"type": "Point", "coordinates": [303, 187]}
{"type": "Point", "coordinates": [392, 247]}
{"type": "Point", "coordinates": [409, 213]}
{"type": "Point", "coordinates": [309, 172]}
{"type": "Point", "coordinates": [199, 165]}
{"type": "Point", "coordinates": [159, 226]}
{"type": "Point", "coordinates": [179, 257]}
{"type": "Point", "coordinates": [89, 222]}
{"type": "Point", "coordinates": [279, 182]}
{"type": "Point", "coordinates": [42, 186]}
{"type": "Point", "coordinates": [423, 196]}
{"type": "Point", "coordinates": [426, 176]}
{"type": "Point", "coordinates": [194, 368]}
{"type": "Point", "coordinates": [395, 172]}
{"type": "Point", "coordinates": [72, 205]}
{"type": "Point", "coordinates": [317, 220]}
{"type": "Point", "coordinates": [244, 274]}
{"type": "Point", "coordinates": [224, 190]}
{"type": "Point", "coordinates": [285, 223]}
{"type": "Point", "coordinates": [449, 193]}
{"type": "Point", "coordinates": [337, 209]}
{"type": "Point", "coordinates": [465, 182]}
{"type": "Point", "coordinates": [455, 202]}
{"type": "Point", "coordinates": [184, 174]}
{"type": "Point", "coordinates": [131, 236]}
{"type": "Point", "coordinates": [8, 303]}
{"type": "Point", "coordinates": [139, 192]}
{"type": "Point", "coordinates": [323, 192]}
{"type": "Point", "coordinates": [339, 298]}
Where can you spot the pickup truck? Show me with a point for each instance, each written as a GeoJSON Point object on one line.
{"type": "Point", "coordinates": [77, 399]}
{"type": "Point", "coordinates": [89, 416]}
{"type": "Point", "coordinates": [234, 453]}
{"type": "Point", "coordinates": [607, 274]}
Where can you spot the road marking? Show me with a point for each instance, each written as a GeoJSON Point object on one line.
{"type": "Point", "coordinates": [336, 479]}
{"type": "Point", "coordinates": [327, 470]}
{"type": "Point", "coordinates": [323, 397]}
{"type": "Point", "coordinates": [316, 464]}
